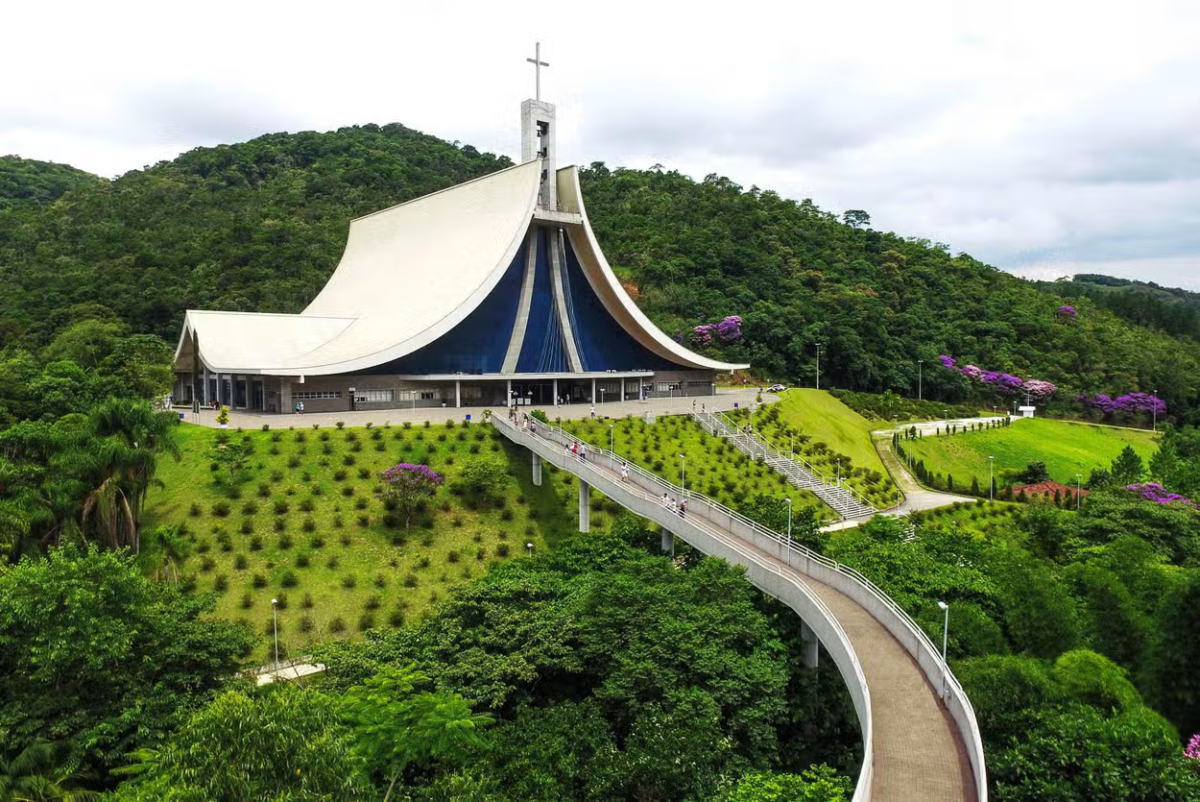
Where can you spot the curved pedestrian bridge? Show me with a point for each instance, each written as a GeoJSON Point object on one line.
{"type": "Point", "coordinates": [920, 737]}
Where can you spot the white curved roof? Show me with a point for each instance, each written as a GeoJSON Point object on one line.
{"type": "Point", "coordinates": [410, 274]}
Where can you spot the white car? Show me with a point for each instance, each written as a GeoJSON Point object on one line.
{"type": "Point", "coordinates": [776, 388]}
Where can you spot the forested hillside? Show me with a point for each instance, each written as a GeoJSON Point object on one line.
{"type": "Point", "coordinates": [30, 182]}
{"type": "Point", "coordinates": [1145, 303]}
{"type": "Point", "coordinates": [260, 225]}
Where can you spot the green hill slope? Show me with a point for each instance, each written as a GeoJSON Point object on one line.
{"type": "Point", "coordinates": [260, 226]}
{"type": "Point", "coordinates": [32, 182]}
{"type": "Point", "coordinates": [1066, 448]}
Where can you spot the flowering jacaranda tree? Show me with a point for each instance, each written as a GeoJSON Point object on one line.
{"type": "Point", "coordinates": [728, 330]}
{"type": "Point", "coordinates": [404, 485]}
{"type": "Point", "coordinates": [1193, 748]}
{"type": "Point", "coordinates": [1130, 402]}
{"type": "Point", "coordinates": [1067, 311]}
{"type": "Point", "coordinates": [1153, 491]}
{"type": "Point", "coordinates": [1003, 383]}
{"type": "Point", "coordinates": [1039, 389]}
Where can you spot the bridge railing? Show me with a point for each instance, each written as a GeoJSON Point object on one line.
{"type": "Point", "coordinates": [841, 577]}
{"type": "Point", "coordinates": [777, 452]}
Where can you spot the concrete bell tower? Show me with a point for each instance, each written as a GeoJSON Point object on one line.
{"type": "Point", "coordinates": [537, 135]}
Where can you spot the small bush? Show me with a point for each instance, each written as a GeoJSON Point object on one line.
{"type": "Point", "coordinates": [289, 579]}
{"type": "Point", "coordinates": [256, 543]}
{"type": "Point", "coordinates": [309, 525]}
{"type": "Point", "coordinates": [339, 475]}
{"type": "Point", "coordinates": [502, 550]}
{"type": "Point", "coordinates": [337, 625]}
{"type": "Point", "coordinates": [332, 562]}
{"type": "Point", "coordinates": [221, 509]}
{"type": "Point", "coordinates": [306, 623]}
{"type": "Point", "coordinates": [259, 581]}
{"type": "Point", "coordinates": [364, 521]}
{"type": "Point", "coordinates": [281, 601]}
{"type": "Point", "coordinates": [307, 505]}
{"type": "Point", "coordinates": [396, 618]}
{"type": "Point", "coordinates": [195, 510]}
{"type": "Point", "coordinates": [264, 491]}
{"type": "Point", "coordinates": [341, 424]}
{"type": "Point", "coordinates": [366, 621]}
{"type": "Point", "coordinates": [247, 601]}
{"type": "Point", "coordinates": [280, 524]}
{"type": "Point", "coordinates": [380, 581]}
{"type": "Point", "coordinates": [411, 581]}
{"type": "Point", "coordinates": [247, 526]}
{"type": "Point", "coordinates": [307, 601]}
{"type": "Point", "coordinates": [281, 507]}
{"type": "Point", "coordinates": [285, 542]}
{"type": "Point", "coordinates": [316, 542]}
{"type": "Point", "coordinates": [453, 556]}
{"type": "Point", "coordinates": [240, 562]}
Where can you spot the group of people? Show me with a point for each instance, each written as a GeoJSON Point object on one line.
{"type": "Point", "coordinates": [679, 508]}
{"type": "Point", "coordinates": [522, 419]}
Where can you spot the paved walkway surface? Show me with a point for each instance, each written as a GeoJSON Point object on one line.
{"type": "Point", "coordinates": [294, 671]}
{"type": "Point", "coordinates": [919, 756]}
{"type": "Point", "coordinates": [931, 426]}
{"type": "Point", "coordinates": [723, 400]}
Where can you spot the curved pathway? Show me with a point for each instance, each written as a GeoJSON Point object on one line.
{"type": "Point", "coordinates": [916, 746]}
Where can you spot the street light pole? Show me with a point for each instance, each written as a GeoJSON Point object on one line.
{"type": "Point", "coordinates": [991, 479]}
{"type": "Point", "coordinates": [275, 626]}
{"type": "Point", "coordinates": [920, 380]}
{"type": "Point", "coordinates": [611, 448]}
{"type": "Point", "coordinates": [1078, 488]}
{"type": "Point", "coordinates": [683, 473]}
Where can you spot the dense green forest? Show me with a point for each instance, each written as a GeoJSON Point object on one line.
{"type": "Point", "coordinates": [1144, 303]}
{"type": "Point", "coordinates": [260, 225]}
{"type": "Point", "coordinates": [36, 183]}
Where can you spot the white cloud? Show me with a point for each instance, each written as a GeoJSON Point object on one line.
{"type": "Point", "coordinates": [1035, 135]}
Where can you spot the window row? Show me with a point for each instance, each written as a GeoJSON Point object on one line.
{"type": "Point", "coordinates": [316, 395]}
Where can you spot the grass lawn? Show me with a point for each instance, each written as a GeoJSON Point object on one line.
{"type": "Point", "coordinates": [304, 526]}
{"type": "Point", "coordinates": [1067, 449]}
{"type": "Point", "coordinates": [828, 431]}
{"type": "Point", "coordinates": [713, 467]}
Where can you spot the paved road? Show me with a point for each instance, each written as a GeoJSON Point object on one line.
{"type": "Point", "coordinates": [724, 400]}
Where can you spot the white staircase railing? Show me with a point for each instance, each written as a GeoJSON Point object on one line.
{"type": "Point", "coordinates": [844, 500]}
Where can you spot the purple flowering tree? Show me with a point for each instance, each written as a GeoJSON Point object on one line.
{"type": "Point", "coordinates": [1153, 491]}
{"type": "Point", "coordinates": [948, 362]}
{"type": "Point", "coordinates": [1038, 389]}
{"type": "Point", "coordinates": [727, 331]}
{"type": "Point", "coordinates": [1131, 403]}
{"type": "Point", "coordinates": [404, 485]}
{"type": "Point", "coordinates": [702, 335]}
{"type": "Point", "coordinates": [1067, 311]}
{"type": "Point", "coordinates": [1193, 748]}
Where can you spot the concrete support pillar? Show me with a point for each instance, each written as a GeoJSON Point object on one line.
{"type": "Point", "coordinates": [457, 393]}
{"type": "Point", "coordinates": [585, 509]}
{"type": "Point", "coordinates": [204, 388]}
{"type": "Point", "coordinates": [537, 470]}
{"type": "Point", "coordinates": [811, 646]}
{"type": "Point", "coordinates": [556, 392]}
{"type": "Point", "coordinates": [509, 401]}
{"type": "Point", "coordinates": [668, 542]}
{"type": "Point", "coordinates": [593, 391]}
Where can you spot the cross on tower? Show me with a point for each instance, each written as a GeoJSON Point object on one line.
{"type": "Point", "coordinates": [537, 63]}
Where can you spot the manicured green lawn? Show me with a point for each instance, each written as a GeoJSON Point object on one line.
{"type": "Point", "coordinates": [304, 526]}
{"type": "Point", "coordinates": [1066, 448]}
{"type": "Point", "coordinates": [827, 431]}
{"type": "Point", "coordinates": [712, 467]}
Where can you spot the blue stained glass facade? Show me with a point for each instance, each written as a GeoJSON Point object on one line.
{"type": "Point", "coordinates": [543, 350]}
{"type": "Point", "coordinates": [603, 343]}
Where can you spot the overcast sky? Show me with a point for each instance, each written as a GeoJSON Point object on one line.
{"type": "Point", "coordinates": [1044, 137]}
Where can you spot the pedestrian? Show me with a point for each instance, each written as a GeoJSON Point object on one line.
{"type": "Point", "coordinates": [693, 406]}
{"type": "Point", "coordinates": [593, 410]}
{"type": "Point", "coordinates": [583, 454]}
{"type": "Point", "coordinates": [624, 472]}
{"type": "Point", "coordinates": [575, 448]}
{"type": "Point", "coordinates": [301, 407]}
{"type": "Point", "coordinates": [701, 407]}
{"type": "Point", "coordinates": [297, 407]}
{"type": "Point", "coordinates": [533, 426]}
{"type": "Point", "coordinates": [666, 500]}
{"type": "Point", "coordinates": [682, 507]}
{"type": "Point", "coordinates": [671, 504]}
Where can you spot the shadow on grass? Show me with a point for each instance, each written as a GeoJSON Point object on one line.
{"type": "Point", "coordinates": [554, 520]}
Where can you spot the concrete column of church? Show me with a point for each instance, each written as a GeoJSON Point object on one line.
{"type": "Point", "coordinates": [668, 542]}
{"type": "Point", "coordinates": [585, 509]}
{"type": "Point", "coordinates": [204, 389]}
{"type": "Point", "coordinates": [537, 470]}
{"type": "Point", "coordinates": [458, 393]}
{"type": "Point", "coordinates": [556, 392]}
{"type": "Point", "coordinates": [285, 394]}
{"type": "Point", "coordinates": [508, 396]}
{"type": "Point", "coordinates": [811, 646]}
{"type": "Point", "coordinates": [593, 391]}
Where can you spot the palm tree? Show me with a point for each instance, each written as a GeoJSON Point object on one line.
{"type": "Point", "coordinates": [32, 776]}
{"type": "Point", "coordinates": [123, 456]}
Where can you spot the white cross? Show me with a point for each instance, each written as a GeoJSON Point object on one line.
{"type": "Point", "coordinates": [537, 63]}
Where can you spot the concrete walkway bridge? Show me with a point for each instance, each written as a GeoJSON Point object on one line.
{"type": "Point", "coordinates": [920, 739]}
{"type": "Point", "coordinates": [842, 499]}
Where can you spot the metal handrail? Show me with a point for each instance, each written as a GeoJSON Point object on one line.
{"type": "Point", "coordinates": [778, 453]}
{"type": "Point", "coordinates": [951, 681]}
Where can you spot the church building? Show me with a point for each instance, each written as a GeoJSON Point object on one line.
{"type": "Point", "coordinates": [489, 293]}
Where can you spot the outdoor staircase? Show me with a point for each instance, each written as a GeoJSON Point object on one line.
{"type": "Point", "coordinates": [841, 499]}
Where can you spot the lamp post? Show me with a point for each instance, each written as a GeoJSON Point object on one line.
{"type": "Point", "coordinates": [602, 392]}
{"type": "Point", "coordinates": [789, 540]}
{"type": "Point", "coordinates": [818, 366]}
{"type": "Point", "coordinates": [275, 626]}
{"type": "Point", "coordinates": [683, 473]}
{"type": "Point", "coordinates": [529, 548]}
{"type": "Point", "coordinates": [1078, 488]}
{"type": "Point", "coordinates": [920, 380]}
{"type": "Point", "coordinates": [839, 471]}
{"type": "Point", "coordinates": [991, 479]}
{"type": "Point", "coordinates": [611, 448]}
